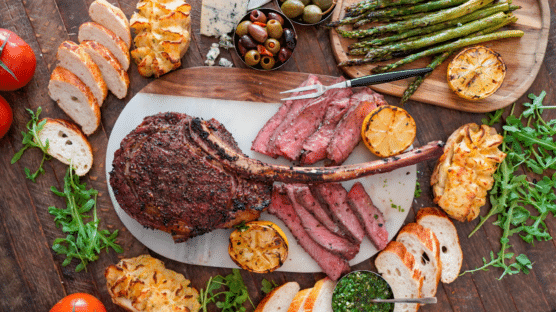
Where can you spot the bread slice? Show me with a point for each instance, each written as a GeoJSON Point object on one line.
{"type": "Point", "coordinates": [397, 267]}
{"type": "Point", "coordinates": [320, 297]}
{"type": "Point", "coordinates": [74, 58]}
{"type": "Point", "coordinates": [68, 144]}
{"type": "Point", "coordinates": [75, 99]}
{"type": "Point", "coordinates": [111, 17]}
{"type": "Point", "coordinates": [96, 32]}
{"type": "Point", "coordinates": [113, 73]}
{"type": "Point", "coordinates": [447, 235]}
{"type": "Point", "coordinates": [422, 243]}
{"type": "Point", "coordinates": [299, 300]}
{"type": "Point", "coordinates": [279, 299]}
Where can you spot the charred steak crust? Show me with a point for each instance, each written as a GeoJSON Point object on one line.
{"type": "Point", "coordinates": [162, 179]}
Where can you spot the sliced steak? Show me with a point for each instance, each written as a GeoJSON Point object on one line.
{"type": "Point", "coordinates": [348, 132]}
{"type": "Point", "coordinates": [162, 179]}
{"type": "Point", "coordinates": [334, 197]}
{"type": "Point", "coordinates": [314, 148]}
{"type": "Point", "coordinates": [368, 215]}
{"type": "Point", "coordinates": [290, 141]}
{"type": "Point", "coordinates": [319, 233]}
{"type": "Point", "coordinates": [333, 265]}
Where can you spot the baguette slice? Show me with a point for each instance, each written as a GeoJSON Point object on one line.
{"type": "Point", "coordinates": [96, 32]}
{"type": "Point", "coordinates": [450, 249]}
{"type": "Point", "coordinates": [68, 144]}
{"type": "Point", "coordinates": [299, 300]}
{"type": "Point", "coordinates": [74, 58]}
{"type": "Point", "coordinates": [278, 299]}
{"type": "Point", "coordinates": [111, 17]}
{"type": "Point", "coordinates": [75, 99]}
{"type": "Point", "coordinates": [422, 243]}
{"type": "Point", "coordinates": [397, 267]}
{"type": "Point", "coordinates": [114, 75]}
{"type": "Point", "coordinates": [320, 297]}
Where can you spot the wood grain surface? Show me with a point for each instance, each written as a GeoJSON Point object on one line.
{"type": "Point", "coordinates": [523, 57]}
{"type": "Point", "coordinates": [32, 277]}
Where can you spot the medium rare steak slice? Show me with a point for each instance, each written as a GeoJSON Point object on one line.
{"type": "Point", "coordinates": [314, 148]}
{"type": "Point", "coordinates": [319, 233]}
{"type": "Point", "coordinates": [306, 199]}
{"type": "Point", "coordinates": [334, 197]}
{"type": "Point", "coordinates": [348, 132]}
{"type": "Point", "coordinates": [333, 265]}
{"type": "Point", "coordinates": [162, 179]}
{"type": "Point", "coordinates": [368, 215]}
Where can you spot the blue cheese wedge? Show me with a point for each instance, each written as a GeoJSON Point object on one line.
{"type": "Point", "coordinates": [219, 17]}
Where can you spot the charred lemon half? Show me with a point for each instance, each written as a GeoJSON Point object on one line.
{"type": "Point", "coordinates": [388, 131]}
{"type": "Point", "coordinates": [476, 73]}
{"type": "Point", "coordinates": [259, 246]}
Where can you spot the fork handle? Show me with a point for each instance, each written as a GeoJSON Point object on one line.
{"type": "Point", "coordinates": [387, 77]}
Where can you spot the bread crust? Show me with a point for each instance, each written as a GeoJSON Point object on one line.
{"type": "Point", "coordinates": [123, 49]}
{"type": "Point", "coordinates": [116, 14]}
{"type": "Point", "coordinates": [262, 306]}
{"type": "Point", "coordinates": [299, 300]}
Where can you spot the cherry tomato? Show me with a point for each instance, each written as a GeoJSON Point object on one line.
{"type": "Point", "coordinates": [6, 117]}
{"type": "Point", "coordinates": [79, 302]}
{"type": "Point", "coordinates": [17, 61]}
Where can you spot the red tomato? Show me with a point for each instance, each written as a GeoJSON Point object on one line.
{"type": "Point", "coordinates": [79, 302]}
{"type": "Point", "coordinates": [17, 61]}
{"type": "Point", "coordinates": [6, 117]}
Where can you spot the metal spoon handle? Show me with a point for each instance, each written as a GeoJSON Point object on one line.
{"type": "Point", "coordinates": [407, 300]}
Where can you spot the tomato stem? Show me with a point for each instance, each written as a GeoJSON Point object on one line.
{"type": "Point", "coordinates": [2, 63]}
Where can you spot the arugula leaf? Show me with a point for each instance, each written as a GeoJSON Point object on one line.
{"type": "Point", "coordinates": [268, 286]}
{"type": "Point", "coordinates": [522, 206]}
{"type": "Point", "coordinates": [84, 241]}
{"type": "Point", "coordinates": [234, 297]}
{"type": "Point", "coordinates": [31, 139]}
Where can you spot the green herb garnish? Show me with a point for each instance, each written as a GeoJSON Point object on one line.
{"type": "Point", "coordinates": [268, 286]}
{"type": "Point", "coordinates": [232, 298]}
{"type": "Point", "coordinates": [242, 226]}
{"type": "Point", "coordinates": [418, 190]}
{"type": "Point", "coordinates": [84, 241]}
{"type": "Point", "coordinates": [532, 145]}
{"type": "Point", "coordinates": [31, 139]}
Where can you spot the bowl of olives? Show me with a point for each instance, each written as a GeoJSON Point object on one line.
{"type": "Point", "coordinates": [307, 12]}
{"type": "Point", "coordinates": [265, 39]}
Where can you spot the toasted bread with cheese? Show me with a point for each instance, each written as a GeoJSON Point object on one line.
{"type": "Point", "coordinates": [113, 73]}
{"type": "Point", "coordinates": [464, 173]}
{"type": "Point", "coordinates": [96, 32]}
{"type": "Point", "coordinates": [111, 17]}
{"type": "Point", "coordinates": [144, 284]}
{"type": "Point", "coordinates": [279, 299]}
{"type": "Point", "coordinates": [68, 144]}
{"type": "Point", "coordinates": [398, 268]}
{"type": "Point", "coordinates": [75, 99]}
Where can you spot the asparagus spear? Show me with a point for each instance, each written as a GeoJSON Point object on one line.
{"type": "Point", "coordinates": [367, 5]}
{"type": "Point", "coordinates": [501, 7]}
{"type": "Point", "coordinates": [471, 40]}
{"type": "Point", "coordinates": [417, 82]}
{"type": "Point", "coordinates": [435, 18]}
{"type": "Point", "coordinates": [435, 38]}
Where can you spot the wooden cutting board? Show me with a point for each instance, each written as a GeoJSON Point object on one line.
{"type": "Point", "coordinates": [523, 57]}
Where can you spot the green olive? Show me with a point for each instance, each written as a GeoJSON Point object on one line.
{"type": "Point", "coordinates": [292, 8]}
{"type": "Point", "coordinates": [323, 4]}
{"type": "Point", "coordinates": [272, 45]}
{"type": "Point", "coordinates": [267, 62]}
{"type": "Point", "coordinates": [243, 28]}
{"type": "Point", "coordinates": [274, 29]}
{"type": "Point", "coordinates": [252, 58]}
{"type": "Point", "coordinates": [312, 14]}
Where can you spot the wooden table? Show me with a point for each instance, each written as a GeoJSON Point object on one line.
{"type": "Point", "coordinates": [31, 275]}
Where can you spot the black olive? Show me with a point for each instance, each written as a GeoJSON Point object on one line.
{"type": "Point", "coordinates": [290, 39]}
{"type": "Point", "coordinates": [242, 49]}
{"type": "Point", "coordinates": [284, 54]}
{"type": "Point", "coordinates": [247, 42]}
{"type": "Point", "coordinates": [274, 16]}
{"type": "Point", "coordinates": [257, 16]}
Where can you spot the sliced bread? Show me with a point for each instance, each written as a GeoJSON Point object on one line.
{"type": "Point", "coordinates": [67, 143]}
{"type": "Point", "coordinates": [397, 267]}
{"type": "Point", "coordinates": [279, 299]}
{"type": "Point", "coordinates": [75, 99]}
{"type": "Point", "coordinates": [450, 249]}
{"type": "Point", "coordinates": [111, 17]}
{"type": "Point", "coordinates": [74, 58]}
{"type": "Point", "coordinates": [422, 243]}
{"type": "Point", "coordinates": [96, 32]}
{"type": "Point", "coordinates": [114, 75]}
{"type": "Point", "coordinates": [299, 300]}
{"type": "Point", "coordinates": [320, 297]}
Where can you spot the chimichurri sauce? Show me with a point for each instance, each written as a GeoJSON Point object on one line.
{"type": "Point", "coordinates": [354, 291]}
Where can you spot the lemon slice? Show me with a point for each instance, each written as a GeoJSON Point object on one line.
{"type": "Point", "coordinates": [388, 130]}
{"type": "Point", "coordinates": [476, 73]}
{"type": "Point", "coordinates": [259, 246]}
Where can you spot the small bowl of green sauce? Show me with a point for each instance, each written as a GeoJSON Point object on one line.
{"type": "Point", "coordinates": [354, 291]}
